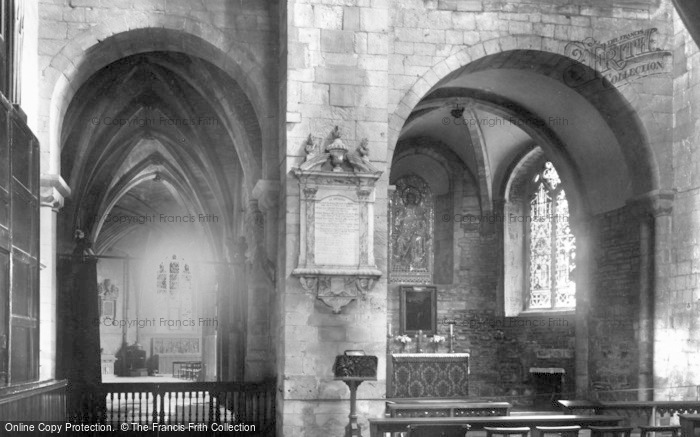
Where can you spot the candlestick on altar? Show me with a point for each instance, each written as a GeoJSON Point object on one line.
{"type": "Point", "coordinates": [388, 331]}
{"type": "Point", "coordinates": [452, 339]}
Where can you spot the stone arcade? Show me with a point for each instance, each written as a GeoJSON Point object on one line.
{"type": "Point", "coordinates": [498, 200]}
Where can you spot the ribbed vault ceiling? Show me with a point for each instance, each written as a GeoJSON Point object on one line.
{"type": "Point", "coordinates": [157, 133]}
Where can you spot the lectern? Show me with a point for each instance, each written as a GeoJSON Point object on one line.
{"type": "Point", "coordinates": [354, 367]}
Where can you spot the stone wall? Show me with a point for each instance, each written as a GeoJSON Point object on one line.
{"type": "Point", "coordinates": [678, 260]}
{"type": "Point", "coordinates": [364, 65]}
{"type": "Point", "coordinates": [614, 314]}
{"type": "Point", "coordinates": [337, 74]}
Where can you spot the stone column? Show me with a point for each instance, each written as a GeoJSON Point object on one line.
{"type": "Point", "coordinates": [585, 237]}
{"type": "Point", "coordinates": [53, 193]}
{"type": "Point", "coordinates": [653, 213]}
{"type": "Point", "coordinates": [266, 192]}
{"type": "Point", "coordinates": [337, 75]}
{"type": "Point", "coordinates": [231, 286]}
{"type": "Point", "coordinates": [260, 277]}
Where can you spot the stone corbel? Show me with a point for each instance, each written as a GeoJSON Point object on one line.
{"type": "Point", "coordinates": [309, 283]}
{"type": "Point", "coordinates": [653, 204]}
{"type": "Point", "coordinates": [337, 291]}
{"type": "Point", "coordinates": [53, 191]}
{"type": "Point", "coordinates": [266, 191]}
{"type": "Point", "coordinates": [365, 283]}
{"type": "Point", "coordinates": [336, 297]}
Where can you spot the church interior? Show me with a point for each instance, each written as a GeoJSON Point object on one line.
{"type": "Point", "coordinates": [351, 217]}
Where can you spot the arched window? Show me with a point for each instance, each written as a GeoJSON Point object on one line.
{"type": "Point", "coordinates": [550, 244]}
{"type": "Point", "coordinates": [174, 283]}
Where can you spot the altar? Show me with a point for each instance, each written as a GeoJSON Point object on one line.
{"type": "Point", "coordinates": [425, 375]}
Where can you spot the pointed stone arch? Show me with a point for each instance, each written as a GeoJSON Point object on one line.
{"type": "Point", "coordinates": [103, 44]}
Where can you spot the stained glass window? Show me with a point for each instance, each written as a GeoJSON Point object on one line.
{"type": "Point", "coordinates": [552, 246]}
{"type": "Point", "coordinates": [173, 275]}
{"type": "Point", "coordinates": [174, 282]}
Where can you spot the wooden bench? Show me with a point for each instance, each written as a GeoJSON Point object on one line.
{"type": "Point", "coordinates": [378, 426]}
{"type": "Point", "coordinates": [673, 429]}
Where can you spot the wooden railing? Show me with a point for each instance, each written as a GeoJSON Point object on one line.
{"type": "Point", "coordinates": [44, 400]}
{"type": "Point", "coordinates": [606, 394]}
{"type": "Point", "coordinates": [636, 413]}
{"type": "Point", "coordinates": [174, 402]}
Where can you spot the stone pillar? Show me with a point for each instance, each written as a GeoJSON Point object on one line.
{"type": "Point", "coordinates": [231, 286]}
{"type": "Point", "coordinates": [260, 278]}
{"type": "Point", "coordinates": [337, 75]}
{"type": "Point", "coordinates": [646, 308]}
{"type": "Point", "coordinates": [653, 212]}
{"type": "Point", "coordinates": [267, 192]}
{"type": "Point", "coordinates": [585, 238]}
{"type": "Point", "coordinates": [53, 193]}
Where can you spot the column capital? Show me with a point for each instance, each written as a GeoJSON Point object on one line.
{"type": "Point", "coordinates": [652, 204]}
{"type": "Point", "coordinates": [266, 192]}
{"type": "Point", "coordinates": [53, 191]}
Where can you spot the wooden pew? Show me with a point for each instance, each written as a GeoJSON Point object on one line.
{"type": "Point", "coordinates": [379, 426]}
{"type": "Point", "coordinates": [575, 406]}
{"type": "Point", "coordinates": [637, 412]}
{"type": "Point", "coordinates": [689, 423]}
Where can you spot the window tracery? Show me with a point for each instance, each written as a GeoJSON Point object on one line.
{"type": "Point", "coordinates": [174, 282]}
{"type": "Point", "coordinates": [552, 246]}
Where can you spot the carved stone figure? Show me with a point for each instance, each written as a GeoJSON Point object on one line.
{"type": "Point", "coordinates": [411, 231]}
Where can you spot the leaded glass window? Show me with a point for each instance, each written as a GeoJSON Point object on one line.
{"type": "Point", "coordinates": [173, 275]}
{"type": "Point", "coordinates": [552, 246]}
{"type": "Point", "coordinates": [174, 283]}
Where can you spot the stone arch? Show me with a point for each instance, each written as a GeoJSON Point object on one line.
{"type": "Point", "coordinates": [442, 159]}
{"type": "Point", "coordinates": [625, 125]}
{"type": "Point", "coordinates": [102, 45]}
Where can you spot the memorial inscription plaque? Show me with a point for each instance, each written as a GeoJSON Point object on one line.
{"type": "Point", "coordinates": [337, 231]}
{"type": "Point", "coordinates": [336, 211]}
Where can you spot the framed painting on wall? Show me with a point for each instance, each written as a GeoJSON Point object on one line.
{"type": "Point", "coordinates": [418, 309]}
